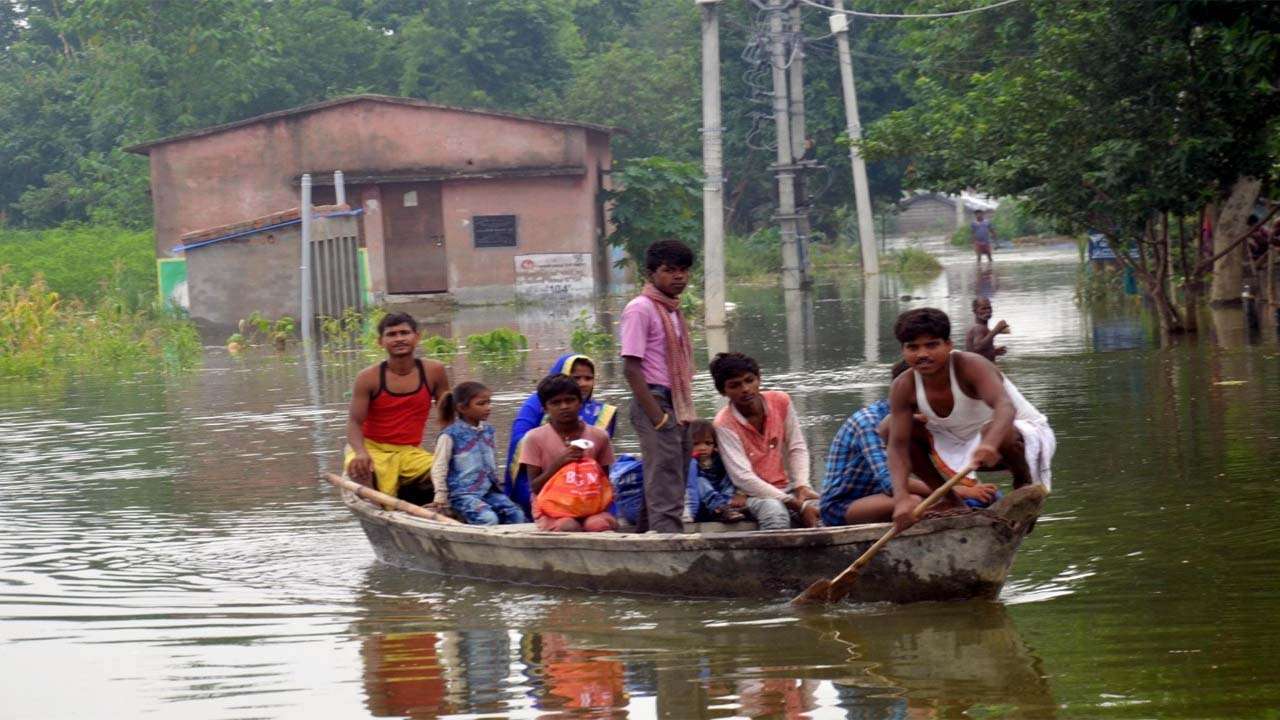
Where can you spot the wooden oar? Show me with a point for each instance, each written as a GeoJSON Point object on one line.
{"type": "Point", "coordinates": [386, 500]}
{"type": "Point", "coordinates": [835, 589]}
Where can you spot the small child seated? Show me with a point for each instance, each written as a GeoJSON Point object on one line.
{"type": "Point", "coordinates": [716, 497]}
{"type": "Point", "coordinates": [563, 470]}
{"type": "Point", "coordinates": [465, 471]}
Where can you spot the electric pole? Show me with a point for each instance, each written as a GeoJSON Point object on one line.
{"type": "Point", "coordinates": [712, 167]}
{"type": "Point", "coordinates": [861, 194]}
{"type": "Point", "coordinates": [795, 90]}
{"type": "Point", "coordinates": [793, 275]}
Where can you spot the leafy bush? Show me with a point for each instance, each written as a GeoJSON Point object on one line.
{"type": "Point", "coordinates": [438, 347]}
{"type": "Point", "coordinates": [910, 261]}
{"type": "Point", "coordinates": [42, 333]}
{"type": "Point", "coordinates": [76, 260]}
{"type": "Point", "coordinates": [1014, 219]}
{"type": "Point", "coordinates": [757, 256]}
{"type": "Point", "coordinates": [500, 347]}
{"type": "Point", "coordinates": [587, 339]}
{"type": "Point", "coordinates": [258, 329]}
{"type": "Point", "coordinates": [656, 199]}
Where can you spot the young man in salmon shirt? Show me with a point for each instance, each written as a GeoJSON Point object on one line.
{"type": "Point", "coordinates": [763, 447]}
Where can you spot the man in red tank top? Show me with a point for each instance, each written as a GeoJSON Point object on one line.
{"type": "Point", "coordinates": [388, 416]}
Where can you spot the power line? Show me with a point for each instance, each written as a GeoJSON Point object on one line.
{"type": "Point", "coordinates": [955, 13]}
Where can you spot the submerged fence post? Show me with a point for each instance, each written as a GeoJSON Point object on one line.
{"type": "Point", "coordinates": [306, 312]}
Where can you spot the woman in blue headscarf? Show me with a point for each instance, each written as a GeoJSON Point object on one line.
{"type": "Point", "coordinates": [583, 370]}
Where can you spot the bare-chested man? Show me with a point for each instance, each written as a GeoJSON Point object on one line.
{"type": "Point", "coordinates": [981, 338]}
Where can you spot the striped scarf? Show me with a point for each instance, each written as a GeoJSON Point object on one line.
{"type": "Point", "coordinates": [679, 353]}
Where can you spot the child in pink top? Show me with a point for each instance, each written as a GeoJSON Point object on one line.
{"type": "Point", "coordinates": [548, 448]}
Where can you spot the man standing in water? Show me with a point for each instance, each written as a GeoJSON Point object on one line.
{"type": "Point", "coordinates": [390, 404]}
{"type": "Point", "coordinates": [983, 235]}
{"type": "Point", "coordinates": [969, 411]}
{"type": "Point", "coordinates": [657, 360]}
{"type": "Point", "coordinates": [981, 339]}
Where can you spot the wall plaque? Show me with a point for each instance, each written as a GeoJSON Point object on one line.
{"type": "Point", "coordinates": [494, 230]}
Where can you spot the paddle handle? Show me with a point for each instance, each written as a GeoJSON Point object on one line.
{"type": "Point", "coordinates": [386, 500]}
{"type": "Point", "coordinates": [920, 509]}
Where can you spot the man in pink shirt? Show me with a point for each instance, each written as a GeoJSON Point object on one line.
{"type": "Point", "coordinates": [657, 361]}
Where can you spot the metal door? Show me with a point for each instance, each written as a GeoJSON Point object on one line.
{"type": "Point", "coordinates": [414, 238]}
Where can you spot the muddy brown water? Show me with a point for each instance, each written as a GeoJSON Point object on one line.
{"type": "Point", "coordinates": [167, 550]}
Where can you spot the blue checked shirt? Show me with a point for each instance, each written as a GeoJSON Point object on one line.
{"type": "Point", "coordinates": [857, 465]}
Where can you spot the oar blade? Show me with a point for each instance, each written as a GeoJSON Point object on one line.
{"type": "Point", "coordinates": [841, 588]}
{"type": "Point", "coordinates": [815, 594]}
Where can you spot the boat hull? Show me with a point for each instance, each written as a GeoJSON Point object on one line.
{"type": "Point", "coordinates": [944, 558]}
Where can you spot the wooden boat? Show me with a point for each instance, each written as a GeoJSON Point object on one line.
{"type": "Point", "coordinates": [948, 557]}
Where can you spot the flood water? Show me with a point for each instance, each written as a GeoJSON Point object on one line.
{"type": "Point", "coordinates": [167, 548]}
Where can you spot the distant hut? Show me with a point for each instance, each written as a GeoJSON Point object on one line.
{"type": "Point", "coordinates": [930, 213]}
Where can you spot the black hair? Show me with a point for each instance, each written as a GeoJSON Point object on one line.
{"type": "Point", "coordinates": [922, 321]}
{"type": "Point", "coordinates": [394, 319]}
{"type": "Point", "coordinates": [463, 393]}
{"type": "Point", "coordinates": [553, 386]}
{"type": "Point", "coordinates": [898, 368]}
{"type": "Point", "coordinates": [979, 299]}
{"type": "Point", "coordinates": [727, 366]}
{"type": "Point", "coordinates": [671, 253]}
{"type": "Point", "coordinates": [583, 360]}
{"type": "Point", "coordinates": [701, 428]}
{"type": "Point", "coordinates": [1253, 220]}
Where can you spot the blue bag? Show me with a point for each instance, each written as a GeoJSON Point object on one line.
{"type": "Point", "coordinates": [627, 476]}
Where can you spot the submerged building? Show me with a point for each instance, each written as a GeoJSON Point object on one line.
{"type": "Point", "coordinates": [480, 205]}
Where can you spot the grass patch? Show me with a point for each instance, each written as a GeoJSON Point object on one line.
{"type": "Point", "coordinates": [910, 261]}
{"type": "Point", "coordinates": [753, 258]}
{"type": "Point", "coordinates": [43, 333]}
{"type": "Point", "coordinates": [74, 259]}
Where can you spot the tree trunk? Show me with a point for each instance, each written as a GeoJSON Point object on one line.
{"type": "Point", "coordinates": [1233, 221]}
{"type": "Point", "coordinates": [1190, 288]}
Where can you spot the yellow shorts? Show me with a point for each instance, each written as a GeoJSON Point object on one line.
{"type": "Point", "coordinates": [393, 464]}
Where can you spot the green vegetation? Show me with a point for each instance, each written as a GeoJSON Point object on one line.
{"type": "Point", "coordinates": [439, 347]}
{"type": "Point", "coordinates": [499, 347]}
{"type": "Point", "coordinates": [1118, 117]}
{"type": "Point", "coordinates": [659, 199]}
{"type": "Point", "coordinates": [43, 333]}
{"type": "Point", "coordinates": [587, 339]}
{"type": "Point", "coordinates": [910, 261]}
{"type": "Point", "coordinates": [753, 258]}
{"type": "Point", "coordinates": [75, 262]}
{"type": "Point", "coordinates": [81, 80]}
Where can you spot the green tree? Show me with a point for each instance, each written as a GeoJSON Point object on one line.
{"type": "Point", "coordinates": [1108, 116]}
{"type": "Point", "coordinates": [655, 199]}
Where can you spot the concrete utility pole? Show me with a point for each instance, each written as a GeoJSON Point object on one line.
{"type": "Point", "coordinates": [796, 109]}
{"type": "Point", "coordinates": [304, 210]}
{"type": "Point", "coordinates": [793, 276]}
{"type": "Point", "coordinates": [861, 193]}
{"type": "Point", "coordinates": [712, 167]}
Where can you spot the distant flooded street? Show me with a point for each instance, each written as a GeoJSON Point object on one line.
{"type": "Point", "coordinates": [168, 549]}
